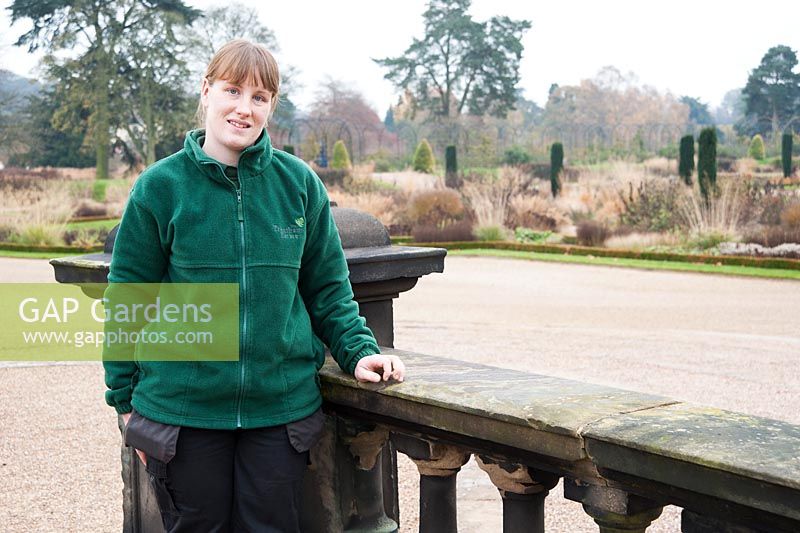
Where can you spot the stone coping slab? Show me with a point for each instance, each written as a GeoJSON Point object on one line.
{"type": "Point", "coordinates": [533, 412]}
{"type": "Point", "coordinates": [743, 446]}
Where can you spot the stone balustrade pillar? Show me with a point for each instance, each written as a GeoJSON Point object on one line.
{"type": "Point", "coordinates": [523, 490]}
{"type": "Point", "coordinates": [613, 509]}
{"type": "Point", "coordinates": [438, 466]}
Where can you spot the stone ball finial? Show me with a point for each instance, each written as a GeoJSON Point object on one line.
{"type": "Point", "coordinates": [358, 229]}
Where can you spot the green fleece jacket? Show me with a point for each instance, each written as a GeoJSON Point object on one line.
{"type": "Point", "coordinates": [272, 233]}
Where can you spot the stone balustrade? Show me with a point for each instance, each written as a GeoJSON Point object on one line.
{"type": "Point", "coordinates": [623, 455]}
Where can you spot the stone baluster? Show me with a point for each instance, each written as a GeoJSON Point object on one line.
{"type": "Point", "coordinates": [523, 490]}
{"type": "Point", "coordinates": [613, 509]}
{"type": "Point", "coordinates": [438, 465]}
{"type": "Point", "coordinates": [365, 442]}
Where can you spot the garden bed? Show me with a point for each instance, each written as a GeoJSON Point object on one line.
{"type": "Point", "coordinates": [757, 262]}
{"type": "Point", "coordinates": [39, 248]}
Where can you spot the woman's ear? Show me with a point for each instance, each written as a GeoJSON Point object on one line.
{"type": "Point", "coordinates": [204, 88]}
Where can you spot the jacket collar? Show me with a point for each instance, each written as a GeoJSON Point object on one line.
{"type": "Point", "coordinates": [252, 162]}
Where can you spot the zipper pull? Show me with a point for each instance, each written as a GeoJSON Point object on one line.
{"type": "Point", "coordinates": [239, 205]}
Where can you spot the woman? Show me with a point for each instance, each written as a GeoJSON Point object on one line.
{"type": "Point", "coordinates": [226, 443]}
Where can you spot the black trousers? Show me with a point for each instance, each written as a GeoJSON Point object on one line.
{"type": "Point", "coordinates": [230, 481]}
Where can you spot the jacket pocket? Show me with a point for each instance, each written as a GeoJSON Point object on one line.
{"type": "Point", "coordinates": [305, 433]}
{"type": "Point", "coordinates": [155, 439]}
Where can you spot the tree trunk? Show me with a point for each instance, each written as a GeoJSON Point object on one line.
{"type": "Point", "coordinates": [102, 118]}
{"type": "Point", "coordinates": [151, 137]}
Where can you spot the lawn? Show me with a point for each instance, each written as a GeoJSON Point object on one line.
{"type": "Point", "coordinates": [728, 270]}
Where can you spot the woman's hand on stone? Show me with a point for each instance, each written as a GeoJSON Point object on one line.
{"type": "Point", "coordinates": [380, 367]}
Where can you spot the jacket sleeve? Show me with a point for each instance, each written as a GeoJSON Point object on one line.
{"type": "Point", "coordinates": [326, 291]}
{"type": "Point", "coordinates": [138, 257]}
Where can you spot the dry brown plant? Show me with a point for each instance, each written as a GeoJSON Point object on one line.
{"type": "Point", "coordinates": [77, 173]}
{"type": "Point", "coordinates": [117, 197]}
{"type": "Point", "coordinates": [434, 207]}
{"type": "Point", "coordinates": [745, 166]}
{"type": "Point", "coordinates": [381, 206]}
{"type": "Point", "coordinates": [536, 211]}
{"type": "Point", "coordinates": [489, 199]}
{"type": "Point", "coordinates": [661, 166]}
{"type": "Point", "coordinates": [721, 215]}
{"type": "Point", "coordinates": [37, 215]}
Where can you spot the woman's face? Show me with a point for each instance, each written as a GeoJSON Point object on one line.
{"type": "Point", "coordinates": [235, 116]}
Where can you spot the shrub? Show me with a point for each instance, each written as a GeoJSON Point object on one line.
{"type": "Point", "coordinates": [90, 208]}
{"type": "Point", "coordinates": [556, 166]}
{"type": "Point", "coordinates": [686, 165]}
{"type": "Point", "coordinates": [669, 151]}
{"type": "Point", "coordinates": [707, 241]}
{"type": "Point", "coordinates": [331, 177]}
{"type": "Point", "coordinates": [773, 236]}
{"type": "Point", "coordinates": [384, 161]}
{"type": "Point", "coordinates": [790, 217]}
{"type": "Point", "coordinates": [491, 233]}
{"type": "Point", "coordinates": [707, 162]}
{"type": "Point", "coordinates": [531, 236]}
{"type": "Point", "coordinates": [85, 237]}
{"type": "Point", "coordinates": [651, 207]}
{"type": "Point", "coordinates": [535, 212]}
{"type": "Point", "coordinates": [99, 190]}
{"type": "Point", "coordinates": [786, 154]}
{"type": "Point", "coordinates": [40, 235]}
{"type": "Point", "coordinates": [726, 164]}
{"type": "Point", "coordinates": [436, 207]}
{"type": "Point", "coordinates": [423, 157]}
{"type": "Point", "coordinates": [756, 150]}
{"type": "Point", "coordinates": [341, 159]}
{"type": "Point", "coordinates": [288, 148]}
{"type": "Point", "coordinates": [517, 155]}
{"type": "Point", "coordinates": [457, 231]}
{"type": "Point", "coordinates": [592, 233]}
{"type": "Point", "coordinates": [771, 210]}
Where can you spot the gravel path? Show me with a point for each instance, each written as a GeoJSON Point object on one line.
{"type": "Point", "coordinates": [723, 341]}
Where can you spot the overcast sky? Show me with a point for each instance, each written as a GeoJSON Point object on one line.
{"type": "Point", "coordinates": [686, 47]}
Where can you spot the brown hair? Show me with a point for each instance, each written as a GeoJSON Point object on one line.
{"type": "Point", "coordinates": [243, 62]}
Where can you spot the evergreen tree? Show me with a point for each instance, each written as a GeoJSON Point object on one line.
{"type": "Point", "coordinates": [757, 150]}
{"type": "Point", "coordinates": [772, 93]}
{"type": "Point", "coordinates": [450, 165]}
{"type": "Point", "coordinates": [341, 159]}
{"type": "Point", "coordinates": [388, 121]}
{"type": "Point", "coordinates": [686, 163]}
{"type": "Point", "coordinates": [460, 64]}
{"type": "Point", "coordinates": [786, 154]}
{"type": "Point", "coordinates": [47, 144]}
{"type": "Point", "coordinates": [94, 30]}
{"type": "Point", "coordinates": [556, 166]}
{"type": "Point", "coordinates": [707, 162]}
{"type": "Point", "coordinates": [423, 157]}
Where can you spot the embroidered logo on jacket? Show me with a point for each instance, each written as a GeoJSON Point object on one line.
{"type": "Point", "coordinates": [295, 231]}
